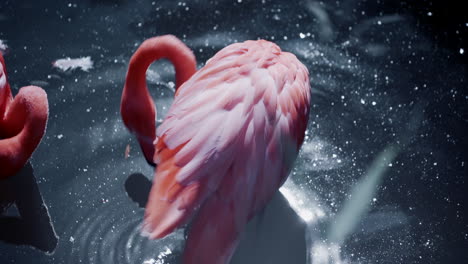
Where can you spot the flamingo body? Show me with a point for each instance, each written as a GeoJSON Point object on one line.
{"type": "Point", "coordinates": [23, 121]}
{"type": "Point", "coordinates": [226, 145]}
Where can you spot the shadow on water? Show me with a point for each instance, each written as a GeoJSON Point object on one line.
{"type": "Point", "coordinates": [31, 224]}
{"type": "Point", "coordinates": [138, 187]}
{"type": "Point", "coordinates": [277, 226]}
{"type": "Point", "coordinates": [275, 235]}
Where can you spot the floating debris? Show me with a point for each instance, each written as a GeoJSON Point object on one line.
{"type": "Point", "coordinates": [127, 151]}
{"type": "Point", "coordinates": [3, 46]}
{"type": "Point", "coordinates": [83, 63]}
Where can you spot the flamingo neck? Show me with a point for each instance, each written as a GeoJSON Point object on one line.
{"type": "Point", "coordinates": [164, 47]}
{"type": "Point", "coordinates": [137, 107]}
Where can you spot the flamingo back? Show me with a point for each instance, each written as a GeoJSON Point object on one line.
{"type": "Point", "coordinates": [226, 145]}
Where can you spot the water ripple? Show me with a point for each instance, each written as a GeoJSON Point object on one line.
{"type": "Point", "coordinates": [110, 233]}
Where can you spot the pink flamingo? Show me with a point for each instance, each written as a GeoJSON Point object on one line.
{"type": "Point", "coordinates": [22, 123]}
{"type": "Point", "coordinates": [227, 143]}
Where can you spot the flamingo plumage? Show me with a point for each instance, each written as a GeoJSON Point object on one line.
{"type": "Point", "coordinates": [23, 121]}
{"type": "Point", "coordinates": [227, 144]}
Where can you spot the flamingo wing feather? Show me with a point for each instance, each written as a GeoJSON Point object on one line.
{"type": "Point", "coordinates": [200, 138]}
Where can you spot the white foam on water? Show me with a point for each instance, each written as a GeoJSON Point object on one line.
{"type": "Point", "coordinates": [3, 46]}
{"type": "Point", "coordinates": [65, 64]}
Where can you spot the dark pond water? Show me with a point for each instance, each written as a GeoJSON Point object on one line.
{"type": "Point", "coordinates": [381, 175]}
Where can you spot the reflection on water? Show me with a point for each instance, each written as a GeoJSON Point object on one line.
{"type": "Point", "coordinates": [30, 224]}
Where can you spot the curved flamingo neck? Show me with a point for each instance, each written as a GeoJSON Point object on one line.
{"type": "Point", "coordinates": [163, 47]}
{"type": "Point", "coordinates": [137, 107]}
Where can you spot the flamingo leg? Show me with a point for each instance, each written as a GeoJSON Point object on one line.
{"type": "Point", "coordinates": [23, 126]}
{"type": "Point", "coordinates": [215, 232]}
